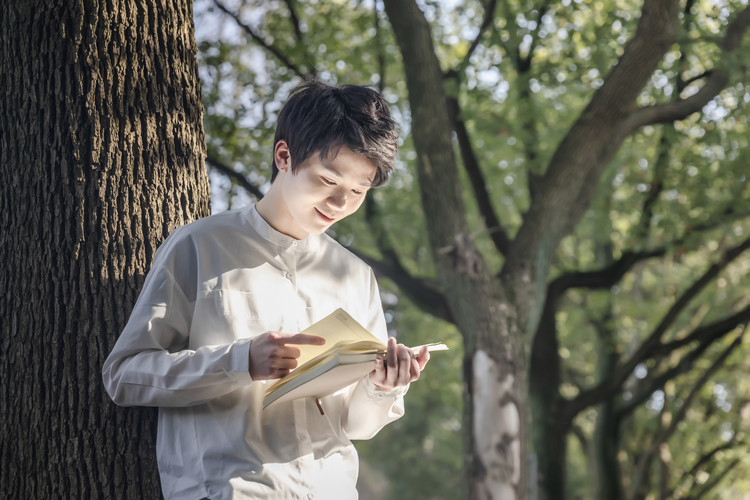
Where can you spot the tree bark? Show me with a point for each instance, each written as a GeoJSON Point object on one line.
{"type": "Point", "coordinates": [494, 371]}
{"type": "Point", "coordinates": [101, 155]}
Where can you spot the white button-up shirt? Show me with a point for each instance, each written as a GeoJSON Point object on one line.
{"type": "Point", "coordinates": [214, 285]}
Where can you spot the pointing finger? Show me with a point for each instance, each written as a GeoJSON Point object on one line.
{"type": "Point", "coordinates": [303, 339]}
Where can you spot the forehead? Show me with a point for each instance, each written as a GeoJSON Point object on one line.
{"type": "Point", "coordinates": [348, 165]}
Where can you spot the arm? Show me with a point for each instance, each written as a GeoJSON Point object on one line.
{"type": "Point", "coordinates": [151, 364]}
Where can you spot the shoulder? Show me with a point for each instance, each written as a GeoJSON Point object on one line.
{"type": "Point", "coordinates": [210, 226]}
{"type": "Point", "coordinates": [336, 252]}
{"type": "Point", "coordinates": [203, 232]}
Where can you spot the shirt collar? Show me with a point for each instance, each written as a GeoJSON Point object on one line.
{"type": "Point", "coordinates": [271, 235]}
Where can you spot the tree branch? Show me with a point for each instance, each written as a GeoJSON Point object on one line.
{"type": "Point", "coordinates": [708, 332]}
{"type": "Point", "coordinates": [651, 344]}
{"type": "Point", "coordinates": [294, 19]}
{"type": "Point", "coordinates": [605, 277]}
{"type": "Point", "coordinates": [489, 16]}
{"type": "Point", "coordinates": [471, 165]}
{"type": "Point", "coordinates": [704, 459]}
{"type": "Point", "coordinates": [572, 176]}
{"type": "Point", "coordinates": [714, 480]}
{"type": "Point", "coordinates": [610, 275]}
{"type": "Point", "coordinates": [679, 415]}
{"type": "Point", "coordinates": [683, 366]}
{"type": "Point", "coordinates": [260, 41]}
{"type": "Point", "coordinates": [657, 186]}
{"type": "Point", "coordinates": [523, 64]}
{"type": "Point", "coordinates": [236, 176]}
{"type": "Point", "coordinates": [424, 296]}
{"type": "Point", "coordinates": [298, 34]}
{"type": "Point", "coordinates": [716, 80]}
{"type": "Point", "coordinates": [379, 48]}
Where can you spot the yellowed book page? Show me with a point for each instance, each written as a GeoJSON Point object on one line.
{"type": "Point", "coordinates": [337, 327]}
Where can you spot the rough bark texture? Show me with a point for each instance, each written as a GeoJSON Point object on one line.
{"type": "Point", "coordinates": [101, 155]}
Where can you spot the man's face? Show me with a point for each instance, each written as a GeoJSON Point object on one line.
{"type": "Point", "coordinates": [321, 192]}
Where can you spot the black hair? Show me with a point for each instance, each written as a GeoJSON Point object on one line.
{"type": "Point", "coordinates": [320, 119]}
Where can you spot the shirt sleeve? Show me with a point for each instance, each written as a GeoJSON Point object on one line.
{"type": "Point", "coordinates": [150, 364]}
{"type": "Point", "coordinates": [369, 409]}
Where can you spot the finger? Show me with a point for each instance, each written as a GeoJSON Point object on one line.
{"type": "Point", "coordinates": [285, 351]}
{"type": "Point", "coordinates": [391, 361]}
{"type": "Point", "coordinates": [423, 357]}
{"type": "Point", "coordinates": [378, 375]}
{"type": "Point", "coordinates": [280, 372]}
{"type": "Point", "coordinates": [380, 370]}
{"type": "Point", "coordinates": [392, 353]}
{"type": "Point", "coordinates": [303, 339]}
{"type": "Point", "coordinates": [404, 364]}
{"type": "Point", "coordinates": [284, 364]}
{"type": "Point", "coordinates": [415, 370]}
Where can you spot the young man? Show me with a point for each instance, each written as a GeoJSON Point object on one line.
{"type": "Point", "coordinates": [219, 313]}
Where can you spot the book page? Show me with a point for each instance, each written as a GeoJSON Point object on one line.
{"type": "Point", "coordinates": [337, 327]}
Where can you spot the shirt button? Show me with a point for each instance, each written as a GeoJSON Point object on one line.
{"type": "Point", "coordinates": [294, 243]}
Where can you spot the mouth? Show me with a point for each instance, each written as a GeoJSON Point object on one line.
{"type": "Point", "coordinates": [325, 217]}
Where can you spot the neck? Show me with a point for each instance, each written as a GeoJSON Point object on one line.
{"type": "Point", "coordinates": [271, 208]}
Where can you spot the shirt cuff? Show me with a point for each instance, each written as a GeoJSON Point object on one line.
{"type": "Point", "coordinates": [241, 360]}
{"type": "Point", "coordinates": [374, 392]}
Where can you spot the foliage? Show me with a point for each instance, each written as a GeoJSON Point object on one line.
{"type": "Point", "coordinates": [676, 194]}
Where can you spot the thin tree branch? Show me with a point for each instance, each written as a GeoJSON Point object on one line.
{"type": "Point", "coordinates": [489, 16]}
{"type": "Point", "coordinates": [714, 480]}
{"type": "Point", "coordinates": [707, 332]}
{"type": "Point", "coordinates": [704, 459]}
{"type": "Point", "coordinates": [381, 236]}
{"type": "Point", "coordinates": [657, 186]}
{"type": "Point", "coordinates": [236, 176]}
{"type": "Point", "coordinates": [260, 41]}
{"type": "Point", "coordinates": [677, 417]}
{"type": "Point", "coordinates": [610, 275]}
{"type": "Point", "coordinates": [683, 366]}
{"type": "Point", "coordinates": [379, 48]}
{"type": "Point", "coordinates": [478, 183]}
{"type": "Point", "coordinates": [290, 5]}
{"type": "Point", "coordinates": [605, 277]}
{"type": "Point", "coordinates": [647, 348]}
{"type": "Point", "coordinates": [716, 80]}
{"type": "Point", "coordinates": [424, 296]}
{"type": "Point", "coordinates": [523, 64]}
{"type": "Point", "coordinates": [294, 19]}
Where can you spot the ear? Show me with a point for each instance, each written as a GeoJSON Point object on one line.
{"type": "Point", "coordinates": [281, 156]}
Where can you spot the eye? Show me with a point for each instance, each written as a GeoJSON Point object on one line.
{"type": "Point", "coordinates": [357, 192]}
{"type": "Point", "coordinates": [328, 181]}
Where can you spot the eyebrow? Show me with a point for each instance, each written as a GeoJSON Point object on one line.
{"type": "Point", "coordinates": [329, 166]}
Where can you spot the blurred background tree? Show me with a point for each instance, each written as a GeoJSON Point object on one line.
{"type": "Point", "coordinates": [570, 212]}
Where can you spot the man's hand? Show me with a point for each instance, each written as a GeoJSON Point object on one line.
{"type": "Point", "coordinates": [273, 355]}
{"type": "Point", "coordinates": [400, 367]}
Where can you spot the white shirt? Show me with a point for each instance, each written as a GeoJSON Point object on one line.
{"type": "Point", "coordinates": [213, 286]}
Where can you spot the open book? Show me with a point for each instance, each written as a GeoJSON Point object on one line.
{"type": "Point", "coordinates": [348, 355]}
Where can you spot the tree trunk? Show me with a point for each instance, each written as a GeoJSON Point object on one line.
{"type": "Point", "coordinates": [491, 326]}
{"type": "Point", "coordinates": [101, 155]}
{"type": "Point", "coordinates": [549, 429]}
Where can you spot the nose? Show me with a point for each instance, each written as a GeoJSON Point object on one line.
{"type": "Point", "coordinates": [337, 200]}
